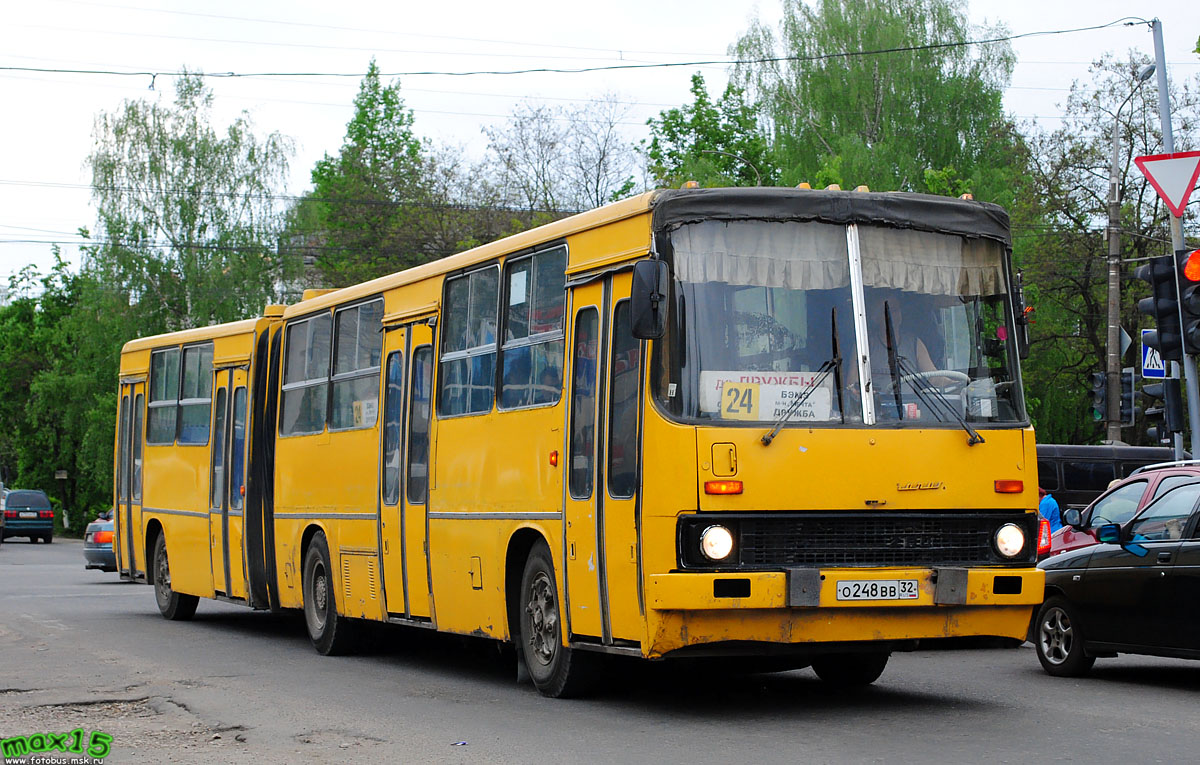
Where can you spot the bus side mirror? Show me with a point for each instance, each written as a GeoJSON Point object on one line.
{"type": "Point", "coordinates": [1021, 313]}
{"type": "Point", "coordinates": [648, 299]}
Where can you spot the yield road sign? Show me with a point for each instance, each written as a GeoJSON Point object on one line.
{"type": "Point", "coordinates": [1173, 176]}
{"type": "Point", "coordinates": [1152, 364]}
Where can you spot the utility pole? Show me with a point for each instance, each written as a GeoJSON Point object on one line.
{"type": "Point", "coordinates": [1112, 366]}
{"type": "Point", "coordinates": [1189, 362]}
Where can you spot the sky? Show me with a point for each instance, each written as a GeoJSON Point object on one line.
{"type": "Point", "coordinates": [48, 116]}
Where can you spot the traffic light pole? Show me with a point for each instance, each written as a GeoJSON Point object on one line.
{"type": "Point", "coordinates": [1189, 362]}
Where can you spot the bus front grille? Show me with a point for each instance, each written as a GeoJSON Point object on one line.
{"type": "Point", "coordinates": [834, 540]}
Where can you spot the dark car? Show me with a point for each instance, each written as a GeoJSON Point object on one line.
{"type": "Point", "coordinates": [98, 545]}
{"type": "Point", "coordinates": [1121, 502]}
{"type": "Point", "coordinates": [1136, 590]}
{"type": "Point", "coordinates": [28, 513]}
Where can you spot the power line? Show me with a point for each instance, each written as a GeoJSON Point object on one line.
{"type": "Point", "coordinates": [1126, 21]}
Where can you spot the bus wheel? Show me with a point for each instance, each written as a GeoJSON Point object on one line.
{"type": "Point", "coordinates": [849, 670]}
{"type": "Point", "coordinates": [557, 671]}
{"type": "Point", "coordinates": [173, 605]}
{"type": "Point", "coordinates": [331, 634]}
{"type": "Point", "coordinates": [1059, 642]}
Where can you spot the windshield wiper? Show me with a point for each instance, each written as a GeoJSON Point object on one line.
{"type": "Point", "coordinates": [831, 365]}
{"type": "Point", "coordinates": [927, 392]}
{"type": "Point", "coordinates": [893, 367]}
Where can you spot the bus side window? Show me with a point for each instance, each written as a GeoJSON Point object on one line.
{"type": "Point", "coordinates": [418, 424]}
{"type": "Point", "coordinates": [583, 403]}
{"type": "Point", "coordinates": [622, 414]}
{"type": "Point", "coordinates": [533, 325]}
{"type": "Point", "coordinates": [468, 367]}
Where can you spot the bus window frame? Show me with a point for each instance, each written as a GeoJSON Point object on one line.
{"type": "Point", "coordinates": [285, 387]}
{"type": "Point", "coordinates": [410, 404]}
{"type": "Point", "coordinates": [178, 402]}
{"type": "Point", "coordinates": [530, 340]}
{"type": "Point", "coordinates": [471, 351]}
{"type": "Point", "coordinates": [357, 374]}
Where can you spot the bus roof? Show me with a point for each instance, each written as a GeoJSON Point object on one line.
{"type": "Point", "coordinates": [191, 335]}
{"type": "Point", "coordinates": [559, 229]}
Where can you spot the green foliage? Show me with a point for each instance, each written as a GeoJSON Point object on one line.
{"type": "Point", "coordinates": [714, 144]}
{"type": "Point", "coordinates": [1059, 218]}
{"type": "Point", "coordinates": [187, 212]}
{"type": "Point", "coordinates": [896, 121]}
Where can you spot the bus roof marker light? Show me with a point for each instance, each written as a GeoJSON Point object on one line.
{"type": "Point", "coordinates": [690, 185]}
{"type": "Point", "coordinates": [968, 197]}
{"type": "Point", "coordinates": [833, 187]}
{"type": "Point", "coordinates": [804, 185]}
{"type": "Point", "coordinates": [722, 487]}
{"type": "Point", "coordinates": [1010, 486]}
{"type": "Point", "coordinates": [862, 187]}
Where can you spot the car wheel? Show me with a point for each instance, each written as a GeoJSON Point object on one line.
{"type": "Point", "coordinates": [849, 670]}
{"type": "Point", "coordinates": [48, 538]}
{"type": "Point", "coordinates": [1059, 640]}
{"type": "Point", "coordinates": [172, 605]}
{"type": "Point", "coordinates": [330, 633]}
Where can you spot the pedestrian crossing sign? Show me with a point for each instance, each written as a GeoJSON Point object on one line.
{"type": "Point", "coordinates": [1152, 364]}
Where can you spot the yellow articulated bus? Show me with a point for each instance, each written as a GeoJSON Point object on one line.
{"type": "Point", "coordinates": [701, 422]}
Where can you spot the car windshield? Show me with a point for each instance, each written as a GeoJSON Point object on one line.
{"type": "Point", "coordinates": [768, 322]}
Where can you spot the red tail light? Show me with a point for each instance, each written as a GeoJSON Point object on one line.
{"type": "Point", "coordinates": [10, 513]}
{"type": "Point", "coordinates": [102, 537]}
{"type": "Point", "coordinates": [45, 513]}
{"type": "Point", "coordinates": [1043, 537]}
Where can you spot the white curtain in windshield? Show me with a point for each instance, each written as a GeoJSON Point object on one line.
{"type": "Point", "coordinates": [809, 256]}
{"type": "Point", "coordinates": [932, 264]}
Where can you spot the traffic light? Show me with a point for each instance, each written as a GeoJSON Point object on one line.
{"type": "Point", "coordinates": [1167, 417]}
{"type": "Point", "coordinates": [1099, 396]}
{"type": "Point", "coordinates": [1188, 268]}
{"type": "Point", "coordinates": [1163, 305]}
{"type": "Point", "coordinates": [1128, 410]}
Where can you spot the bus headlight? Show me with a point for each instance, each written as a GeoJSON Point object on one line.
{"type": "Point", "coordinates": [716, 542]}
{"type": "Point", "coordinates": [1010, 540]}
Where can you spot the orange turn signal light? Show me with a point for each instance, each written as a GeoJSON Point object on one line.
{"type": "Point", "coordinates": [722, 487]}
{"type": "Point", "coordinates": [554, 458]}
{"type": "Point", "coordinates": [1010, 486]}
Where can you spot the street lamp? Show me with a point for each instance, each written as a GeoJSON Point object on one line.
{"type": "Point", "coordinates": [1112, 366]}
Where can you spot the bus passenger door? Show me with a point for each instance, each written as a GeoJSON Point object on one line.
{"type": "Point", "coordinates": [414, 497]}
{"type": "Point", "coordinates": [234, 529]}
{"type": "Point", "coordinates": [128, 542]}
{"type": "Point", "coordinates": [583, 502]}
{"type": "Point", "coordinates": [218, 504]}
{"type": "Point", "coordinates": [621, 444]}
{"type": "Point", "coordinates": [391, 530]}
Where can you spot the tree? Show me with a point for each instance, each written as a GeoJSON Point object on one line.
{"type": "Point", "coordinates": [563, 159]}
{"type": "Point", "coordinates": [1059, 226]}
{"type": "Point", "coordinates": [884, 94]}
{"type": "Point", "coordinates": [359, 218]}
{"type": "Point", "coordinates": [188, 214]}
{"type": "Point", "coordinates": [714, 144]}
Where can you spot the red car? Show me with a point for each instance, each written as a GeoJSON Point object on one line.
{"type": "Point", "coordinates": [1119, 503]}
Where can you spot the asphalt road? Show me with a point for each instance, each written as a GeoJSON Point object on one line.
{"type": "Point", "coordinates": [79, 649]}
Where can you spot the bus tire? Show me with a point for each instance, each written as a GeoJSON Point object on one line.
{"type": "Point", "coordinates": [331, 634]}
{"type": "Point", "coordinates": [850, 670]}
{"type": "Point", "coordinates": [172, 605]}
{"type": "Point", "coordinates": [557, 671]}
{"type": "Point", "coordinates": [1059, 640]}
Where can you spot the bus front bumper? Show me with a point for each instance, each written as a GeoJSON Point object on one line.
{"type": "Point", "coordinates": [811, 606]}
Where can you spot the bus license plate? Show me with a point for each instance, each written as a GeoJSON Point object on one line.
{"type": "Point", "coordinates": [27, 515]}
{"type": "Point", "coordinates": [878, 589]}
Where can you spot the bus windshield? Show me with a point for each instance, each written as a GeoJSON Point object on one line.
{"type": "Point", "coordinates": [782, 321]}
